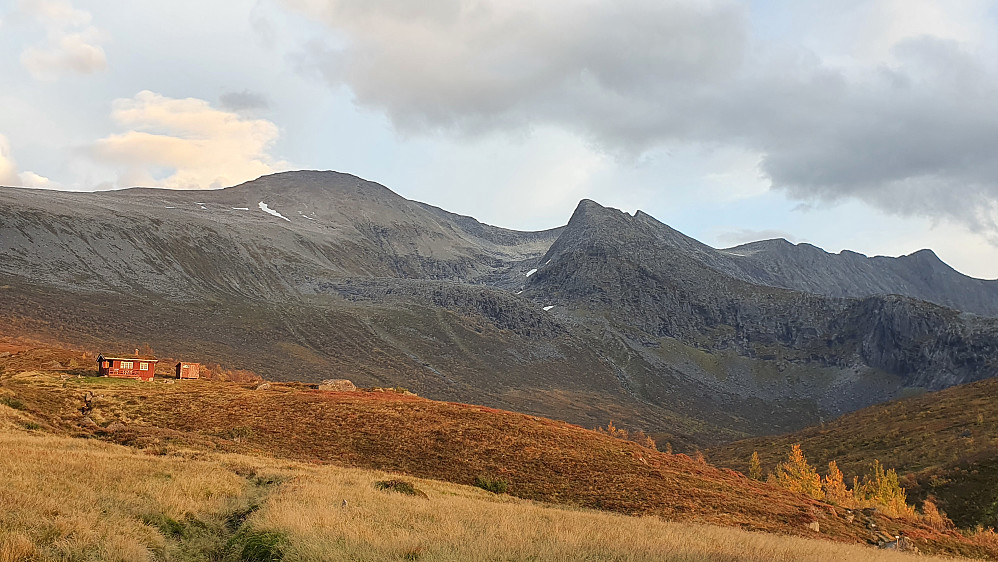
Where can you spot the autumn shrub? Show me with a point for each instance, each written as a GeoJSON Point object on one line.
{"type": "Point", "coordinates": [238, 433]}
{"type": "Point", "coordinates": [984, 536]}
{"type": "Point", "coordinates": [755, 467]}
{"type": "Point", "coordinates": [635, 436]}
{"type": "Point", "coordinates": [835, 489]}
{"type": "Point", "coordinates": [932, 516]}
{"type": "Point", "coordinates": [883, 489]}
{"type": "Point", "coordinates": [797, 475]}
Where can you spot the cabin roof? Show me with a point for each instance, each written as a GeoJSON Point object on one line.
{"type": "Point", "coordinates": [144, 359]}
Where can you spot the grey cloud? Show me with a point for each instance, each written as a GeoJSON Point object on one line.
{"type": "Point", "coordinates": [918, 138]}
{"type": "Point", "coordinates": [470, 67]}
{"type": "Point", "coordinates": [243, 101]}
{"type": "Point", "coordinates": [638, 75]}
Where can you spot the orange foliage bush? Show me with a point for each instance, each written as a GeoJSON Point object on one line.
{"type": "Point", "coordinates": [796, 475]}
{"type": "Point", "coordinates": [835, 488]}
{"type": "Point", "coordinates": [636, 436]}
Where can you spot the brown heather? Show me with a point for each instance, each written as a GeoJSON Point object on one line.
{"type": "Point", "coordinates": [220, 471]}
{"type": "Point", "coordinates": [71, 499]}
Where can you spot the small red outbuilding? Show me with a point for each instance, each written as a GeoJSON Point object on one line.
{"type": "Point", "coordinates": [188, 370]}
{"type": "Point", "coordinates": [141, 368]}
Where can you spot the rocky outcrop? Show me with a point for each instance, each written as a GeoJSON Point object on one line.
{"type": "Point", "coordinates": [337, 385]}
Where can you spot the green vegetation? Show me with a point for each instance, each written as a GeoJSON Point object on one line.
{"type": "Point", "coordinates": [12, 402]}
{"type": "Point", "coordinates": [400, 486]}
{"type": "Point", "coordinates": [260, 546]}
{"type": "Point", "coordinates": [490, 484]}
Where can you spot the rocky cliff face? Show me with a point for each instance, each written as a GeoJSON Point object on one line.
{"type": "Point", "coordinates": [921, 275]}
{"type": "Point", "coordinates": [317, 275]}
{"type": "Point", "coordinates": [645, 275]}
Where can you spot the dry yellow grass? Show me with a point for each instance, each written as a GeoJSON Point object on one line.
{"type": "Point", "coordinates": [80, 499]}
{"type": "Point", "coordinates": [458, 524]}
{"type": "Point", "coordinates": [74, 499]}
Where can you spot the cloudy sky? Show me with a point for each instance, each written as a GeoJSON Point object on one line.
{"type": "Point", "coordinates": [870, 125]}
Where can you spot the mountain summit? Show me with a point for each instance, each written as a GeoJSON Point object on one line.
{"type": "Point", "coordinates": [314, 275]}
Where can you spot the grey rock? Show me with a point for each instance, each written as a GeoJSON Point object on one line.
{"type": "Point", "coordinates": [337, 385]}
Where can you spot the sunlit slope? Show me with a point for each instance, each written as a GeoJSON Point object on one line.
{"type": "Point", "coordinates": [946, 442]}
{"type": "Point", "coordinates": [194, 505]}
{"type": "Point", "coordinates": [537, 458]}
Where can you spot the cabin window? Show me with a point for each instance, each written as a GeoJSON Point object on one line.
{"type": "Point", "coordinates": [143, 366]}
{"type": "Point", "coordinates": [127, 365]}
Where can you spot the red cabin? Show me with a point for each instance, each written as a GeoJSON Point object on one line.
{"type": "Point", "coordinates": [143, 369]}
{"type": "Point", "coordinates": [188, 370]}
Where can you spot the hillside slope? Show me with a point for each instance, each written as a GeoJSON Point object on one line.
{"type": "Point", "coordinates": [944, 444]}
{"type": "Point", "coordinates": [198, 505]}
{"type": "Point", "coordinates": [242, 241]}
{"type": "Point", "coordinates": [540, 459]}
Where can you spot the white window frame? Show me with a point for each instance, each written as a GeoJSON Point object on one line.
{"type": "Point", "coordinates": [143, 366]}
{"type": "Point", "coordinates": [127, 365]}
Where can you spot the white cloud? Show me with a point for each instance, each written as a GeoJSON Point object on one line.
{"type": "Point", "coordinates": [10, 177]}
{"type": "Point", "coordinates": [912, 133]}
{"type": "Point", "coordinates": [71, 45]}
{"type": "Point", "coordinates": [185, 144]}
{"type": "Point", "coordinates": [8, 168]}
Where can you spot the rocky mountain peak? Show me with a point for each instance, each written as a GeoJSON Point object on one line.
{"type": "Point", "coordinates": [927, 259]}
{"type": "Point", "coordinates": [317, 183]}
{"type": "Point", "coordinates": [589, 213]}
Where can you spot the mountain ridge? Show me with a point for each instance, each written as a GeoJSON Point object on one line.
{"type": "Point", "coordinates": [310, 275]}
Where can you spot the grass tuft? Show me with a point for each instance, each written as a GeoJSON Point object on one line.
{"type": "Point", "coordinates": [261, 546]}
{"type": "Point", "coordinates": [494, 485]}
{"type": "Point", "coordinates": [12, 402]}
{"type": "Point", "coordinates": [400, 486]}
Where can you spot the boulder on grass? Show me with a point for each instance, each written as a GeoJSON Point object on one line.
{"type": "Point", "coordinates": [337, 385]}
